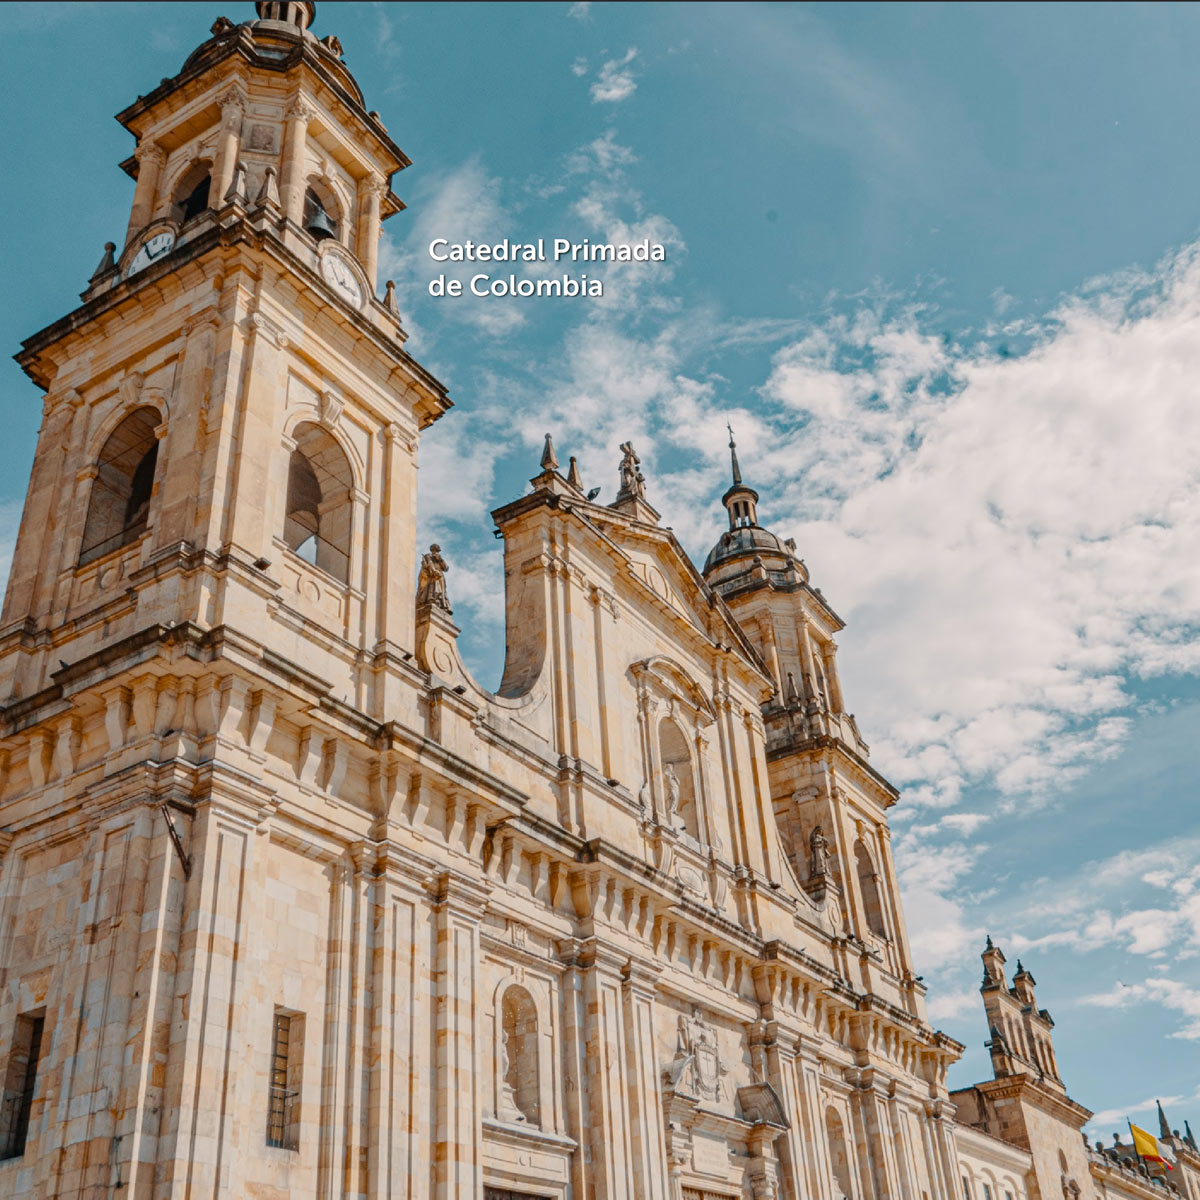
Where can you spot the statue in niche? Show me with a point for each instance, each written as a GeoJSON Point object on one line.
{"type": "Point", "coordinates": [674, 816]}
{"type": "Point", "coordinates": [697, 1068]}
{"type": "Point", "coordinates": [431, 582]}
{"type": "Point", "coordinates": [633, 482]}
{"type": "Point", "coordinates": [818, 858]}
{"type": "Point", "coordinates": [506, 1105]}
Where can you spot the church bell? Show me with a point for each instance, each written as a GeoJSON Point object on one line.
{"type": "Point", "coordinates": [320, 226]}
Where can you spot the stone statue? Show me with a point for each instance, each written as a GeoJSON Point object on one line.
{"type": "Point", "coordinates": [507, 1103]}
{"type": "Point", "coordinates": [672, 782]}
{"type": "Point", "coordinates": [431, 583]}
{"type": "Point", "coordinates": [633, 482]}
{"type": "Point", "coordinates": [818, 845]}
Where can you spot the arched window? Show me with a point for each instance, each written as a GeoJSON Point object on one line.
{"type": "Point", "coordinates": [321, 212]}
{"type": "Point", "coordinates": [317, 519]}
{"type": "Point", "coordinates": [678, 779]}
{"type": "Point", "coordinates": [868, 888]}
{"type": "Point", "coordinates": [839, 1158]}
{"type": "Point", "coordinates": [120, 500]}
{"type": "Point", "coordinates": [518, 1056]}
{"type": "Point", "coordinates": [191, 196]}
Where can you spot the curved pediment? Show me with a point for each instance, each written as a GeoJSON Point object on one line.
{"type": "Point", "coordinates": [675, 679]}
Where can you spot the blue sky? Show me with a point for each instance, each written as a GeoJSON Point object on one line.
{"type": "Point", "coordinates": [938, 265]}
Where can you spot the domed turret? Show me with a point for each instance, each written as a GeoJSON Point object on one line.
{"type": "Point", "coordinates": [745, 541]}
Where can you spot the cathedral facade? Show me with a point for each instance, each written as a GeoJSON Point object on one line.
{"type": "Point", "coordinates": [290, 906]}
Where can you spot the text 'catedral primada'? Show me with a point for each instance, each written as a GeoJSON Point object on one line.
{"type": "Point", "coordinates": [542, 250]}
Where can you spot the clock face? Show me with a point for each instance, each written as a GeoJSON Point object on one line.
{"type": "Point", "coordinates": [342, 279]}
{"type": "Point", "coordinates": [153, 250]}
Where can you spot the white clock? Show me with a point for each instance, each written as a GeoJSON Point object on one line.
{"type": "Point", "coordinates": [158, 246]}
{"type": "Point", "coordinates": [341, 278]}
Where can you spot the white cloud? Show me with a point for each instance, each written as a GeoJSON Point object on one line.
{"type": "Point", "coordinates": [1170, 993]}
{"type": "Point", "coordinates": [581, 10]}
{"type": "Point", "coordinates": [460, 205]}
{"type": "Point", "coordinates": [579, 67]}
{"type": "Point", "coordinates": [615, 81]}
{"type": "Point", "coordinates": [10, 519]}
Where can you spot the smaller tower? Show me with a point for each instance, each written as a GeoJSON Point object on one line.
{"type": "Point", "coordinates": [1021, 1042]}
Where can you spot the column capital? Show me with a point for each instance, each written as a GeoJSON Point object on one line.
{"type": "Point", "coordinates": [375, 186]}
{"type": "Point", "coordinates": [149, 151]}
{"type": "Point", "coordinates": [299, 110]}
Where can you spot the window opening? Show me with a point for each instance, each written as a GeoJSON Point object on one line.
{"type": "Point", "coordinates": [119, 507]}
{"type": "Point", "coordinates": [20, 1083]}
{"type": "Point", "coordinates": [318, 520]}
{"type": "Point", "coordinates": [283, 1108]}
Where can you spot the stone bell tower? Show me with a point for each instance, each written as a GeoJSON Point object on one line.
{"type": "Point", "coordinates": [830, 804]}
{"type": "Point", "coordinates": [231, 418]}
{"type": "Point", "coordinates": [210, 607]}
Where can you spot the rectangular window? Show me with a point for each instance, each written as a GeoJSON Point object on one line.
{"type": "Point", "coordinates": [20, 1080]}
{"type": "Point", "coordinates": [287, 1054]}
{"type": "Point", "coordinates": [966, 1188]}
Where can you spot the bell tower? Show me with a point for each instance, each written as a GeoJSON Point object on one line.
{"type": "Point", "coordinates": [830, 804]}
{"type": "Point", "coordinates": [230, 418]}
{"type": "Point", "coordinates": [209, 612]}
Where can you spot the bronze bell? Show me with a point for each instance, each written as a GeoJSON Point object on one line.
{"type": "Point", "coordinates": [320, 226]}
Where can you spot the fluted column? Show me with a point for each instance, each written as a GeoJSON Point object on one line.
{"type": "Point", "coordinates": [150, 158]}
{"type": "Point", "coordinates": [233, 105]}
{"type": "Point", "coordinates": [370, 198]}
{"type": "Point", "coordinates": [295, 135]}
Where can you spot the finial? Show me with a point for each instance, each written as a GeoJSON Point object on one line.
{"type": "Point", "coordinates": [989, 945]}
{"type": "Point", "coordinates": [268, 193]}
{"type": "Point", "coordinates": [237, 189]}
{"type": "Point", "coordinates": [1020, 969]}
{"type": "Point", "coordinates": [573, 476]}
{"type": "Point", "coordinates": [1188, 1136]}
{"type": "Point", "coordinates": [389, 299]}
{"type": "Point", "coordinates": [549, 458]}
{"type": "Point", "coordinates": [737, 471]}
{"type": "Point", "coordinates": [1164, 1130]}
{"type": "Point", "coordinates": [107, 263]}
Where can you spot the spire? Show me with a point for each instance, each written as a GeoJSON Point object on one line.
{"type": "Point", "coordinates": [573, 476]}
{"type": "Point", "coordinates": [1164, 1130]}
{"type": "Point", "coordinates": [549, 458]}
{"type": "Point", "coordinates": [1188, 1136]}
{"type": "Point", "coordinates": [737, 471]}
{"type": "Point", "coordinates": [741, 501]}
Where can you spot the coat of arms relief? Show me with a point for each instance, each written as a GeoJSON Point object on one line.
{"type": "Point", "coordinates": [697, 1069]}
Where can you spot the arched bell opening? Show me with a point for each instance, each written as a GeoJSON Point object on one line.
{"type": "Point", "coordinates": [318, 517]}
{"type": "Point", "coordinates": [119, 506]}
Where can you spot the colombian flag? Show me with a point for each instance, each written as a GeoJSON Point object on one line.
{"type": "Point", "coordinates": [1149, 1147]}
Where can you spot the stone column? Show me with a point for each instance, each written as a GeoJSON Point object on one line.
{"type": "Point", "coordinates": [877, 1136]}
{"type": "Point", "coordinates": [398, 1072]}
{"type": "Point", "coordinates": [829, 656]}
{"type": "Point", "coordinates": [199, 1148]}
{"type": "Point", "coordinates": [370, 196]}
{"type": "Point", "coordinates": [606, 1065]}
{"type": "Point", "coordinates": [178, 489]}
{"type": "Point", "coordinates": [229, 142]}
{"type": "Point", "coordinates": [773, 1050]}
{"type": "Point", "coordinates": [150, 158]}
{"type": "Point", "coordinates": [291, 175]}
{"type": "Point", "coordinates": [457, 1146]}
{"type": "Point", "coordinates": [251, 520]}
{"type": "Point", "coordinates": [647, 1137]}
{"type": "Point", "coordinates": [575, 1066]}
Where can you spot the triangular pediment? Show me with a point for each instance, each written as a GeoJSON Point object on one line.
{"type": "Point", "coordinates": [658, 562]}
